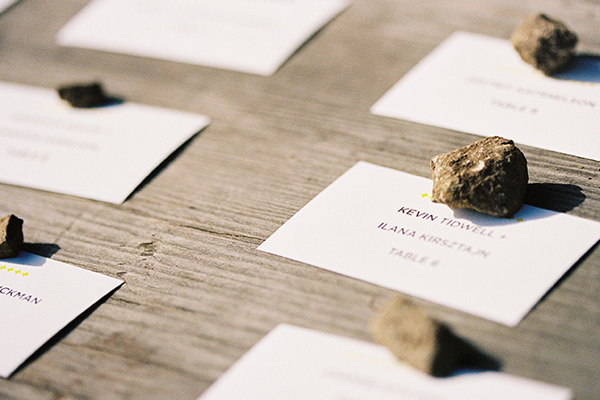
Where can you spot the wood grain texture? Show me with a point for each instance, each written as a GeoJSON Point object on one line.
{"type": "Point", "coordinates": [198, 294]}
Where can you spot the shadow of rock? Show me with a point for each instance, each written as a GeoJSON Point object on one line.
{"type": "Point", "coordinates": [478, 361]}
{"type": "Point", "coordinates": [583, 68]}
{"type": "Point", "coordinates": [112, 101]}
{"type": "Point", "coordinates": [469, 358]}
{"type": "Point", "coordinates": [546, 196]}
{"type": "Point", "coordinates": [41, 249]}
{"type": "Point", "coordinates": [554, 196]}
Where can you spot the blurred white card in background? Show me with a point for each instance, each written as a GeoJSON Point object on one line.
{"type": "Point", "coordinates": [99, 153]}
{"type": "Point", "coordinates": [254, 36]}
{"type": "Point", "coordinates": [38, 298]}
{"type": "Point", "coordinates": [479, 84]}
{"type": "Point", "coordinates": [293, 363]}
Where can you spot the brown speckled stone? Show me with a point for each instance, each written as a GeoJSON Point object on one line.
{"type": "Point", "coordinates": [545, 43]}
{"type": "Point", "coordinates": [416, 339]}
{"type": "Point", "coordinates": [489, 176]}
{"type": "Point", "coordinates": [11, 236]}
{"type": "Point", "coordinates": [86, 95]}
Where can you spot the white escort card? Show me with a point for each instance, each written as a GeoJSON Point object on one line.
{"type": "Point", "coordinates": [379, 225]}
{"type": "Point", "coordinates": [39, 297]}
{"type": "Point", "coordinates": [100, 153]}
{"type": "Point", "coordinates": [293, 363]}
{"type": "Point", "coordinates": [480, 85]}
{"type": "Point", "coordinates": [254, 36]}
{"type": "Point", "coordinates": [4, 4]}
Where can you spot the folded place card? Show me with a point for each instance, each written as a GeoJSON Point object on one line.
{"type": "Point", "coordinates": [254, 36]}
{"type": "Point", "coordinates": [99, 153]}
{"type": "Point", "coordinates": [39, 297]}
{"type": "Point", "coordinates": [480, 85]}
{"type": "Point", "coordinates": [293, 363]}
{"type": "Point", "coordinates": [379, 225]}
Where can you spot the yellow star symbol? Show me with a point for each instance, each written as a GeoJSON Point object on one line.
{"type": "Point", "coordinates": [25, 274]}
{"type": "Point", "coordinates": [10, 269]}
{"type": "Point", "coordinates": [2, 267]}
{"type": "Point", "coordinates": [424, 195]}
{"type": "Point", "coordinates": [17, 272]}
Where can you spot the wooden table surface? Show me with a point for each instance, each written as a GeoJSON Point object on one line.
{"type": "Point", "coordinates": [198, 294]}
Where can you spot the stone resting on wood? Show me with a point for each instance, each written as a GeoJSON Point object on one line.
{"type": "Point", "coordinates": [489, 176]}
{"type": "Point", "coordinates": [545, 43]}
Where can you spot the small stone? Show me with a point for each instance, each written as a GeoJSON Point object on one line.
{"type": "Point", "coordinates": [545, 43]}
{"type": "Point", "coordinates": [85, 95]}
{"type": "Point", "coordinates": [417, 339]}
{"type": "Point", "coordinates": [11, 236]}
{"type": "Point", "coordinates": [489, 176]}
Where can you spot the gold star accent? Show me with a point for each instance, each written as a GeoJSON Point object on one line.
{"type": "Point", "coordinates": [423, 195]}
{"type": "Point", "coordinates": [2, 267]}
{"type": "Point", "coordinates": [25, 274]}
{"type": "Point", "coordinates": [10, 269]}
{"type": "Point", "coordinates": [17, 272]}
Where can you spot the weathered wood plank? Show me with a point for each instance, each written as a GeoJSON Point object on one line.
{"type": "Point", "coordinates": [198, 294]}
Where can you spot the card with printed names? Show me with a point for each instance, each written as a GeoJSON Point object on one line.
{"type": "Point", "coordinates": [253, 36]}
{"type": "Point", "coordinates": [478, 84]}
{"type": "Point", "coordinates": [293, 363]}
{"type": "Point", "coordinates": [101, 153]}
{"type": "Point", "coordinates": [379, 225]}
{"type": "Point", "coordinates": [38, 298]}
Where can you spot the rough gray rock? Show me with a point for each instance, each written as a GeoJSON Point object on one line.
{"type": "Point", "coordinates": [11, 236]}
{"type": "Point", "coordinates": [489, 176]}
{"type": "Point", "coordinates": [545, 43]}
{"type": "Point", "coordinates": [85, 95]}
{"type": "Point", "coordinates": [416, 339]}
